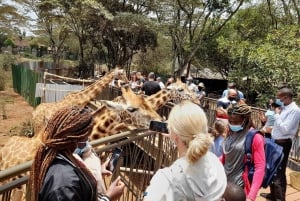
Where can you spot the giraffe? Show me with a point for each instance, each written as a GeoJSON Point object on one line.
{"type": "Point", "coordinates": [110, 118]}
{"type": "Point", "coordinates": [45, 110]}
{"type": "Point", "coordinates": [128, 112]}
{"type": "Point", "coordinates": [176, 92]}
{"type": "Point", "coordinates": [124, 113]}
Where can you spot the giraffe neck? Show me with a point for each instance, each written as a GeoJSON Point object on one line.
{"type": "Point", "coordinates": [159, 99]}
{"type": "Point", "coordinates": [84, 96]}
{"type": "Point", "coordinates": [106, 123]}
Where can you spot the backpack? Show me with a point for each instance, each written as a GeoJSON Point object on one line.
{"type": "Point", "coordinates": [273, 154]}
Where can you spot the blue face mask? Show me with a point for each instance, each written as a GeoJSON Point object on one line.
{"type": "Point", "coordinates": [80, 151]}
{"type": "Point", "coordinates": [236, 128]}
{"type": "Point", "coordinates": [279, 102]}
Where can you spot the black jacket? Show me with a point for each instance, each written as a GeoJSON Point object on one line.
{"type": "Point", "coordinates": [65, 182]}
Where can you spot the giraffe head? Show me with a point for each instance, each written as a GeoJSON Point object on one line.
{"type": "Point", "coordinates": [124, 113]}
{"type": "Point", "coordinates": [180, 91]}
{"type": "Point", "coordinates": [175, 93]}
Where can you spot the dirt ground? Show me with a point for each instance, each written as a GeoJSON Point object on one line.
{"type": "Point", "coordinates": [17, 112]}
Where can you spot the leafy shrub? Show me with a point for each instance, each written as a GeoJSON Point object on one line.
{"type": "Point", "coordinates": [2, 79]}
{"type": "Point", "coordinates": [6, 60]}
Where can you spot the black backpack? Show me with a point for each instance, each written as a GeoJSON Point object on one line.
{"type": "Point", "coordinates": [273, 154]}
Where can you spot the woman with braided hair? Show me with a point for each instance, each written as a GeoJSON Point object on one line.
{"type": "Point", "coordinates": [233, 157]}
{"type": "Point", "coordinates": [56, 174]}
{"type": "Point", "coordinates": [197, 174]}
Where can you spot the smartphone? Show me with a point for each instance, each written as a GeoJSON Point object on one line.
{"type": "Point", "coordinates": [159, 126]}
{"type": "Point", "coordinates": [113, 161]}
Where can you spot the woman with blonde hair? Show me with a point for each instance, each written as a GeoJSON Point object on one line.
{"type": "Point", "coordinates": [197, 174]}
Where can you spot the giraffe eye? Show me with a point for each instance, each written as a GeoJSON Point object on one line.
{"type": "Point", "coordinates": [132, 109]}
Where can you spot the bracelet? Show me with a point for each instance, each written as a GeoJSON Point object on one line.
{"type": "Point", "coordinates": [104, 198]}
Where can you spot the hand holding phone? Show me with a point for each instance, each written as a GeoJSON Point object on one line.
{"type": "Point", "coordinates": [113, 161]}
{"type": "Point", "coordinates": [159, 126]}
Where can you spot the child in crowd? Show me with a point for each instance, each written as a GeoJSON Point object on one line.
{"type": "Point", "coordinates": [218, 132]}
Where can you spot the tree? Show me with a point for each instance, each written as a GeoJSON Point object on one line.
{"type": "Point", "coordinates": [51, 24]}
{"type": "Point", "coordinates": [263, 56]}
{"type": "Point", "coordinates": [10, 18]}
{"type": "Point", "coordinates": [9, 42]}
{"type": "Point", "coordinates": [130, 32]}
{"type": "Point", "coordinates": [191, 23]}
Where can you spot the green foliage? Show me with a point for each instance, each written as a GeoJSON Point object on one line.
{"type": "Point", "coordinates": [263, 65]}
{"type": "Point", "coordinates": [9, 42]}
{"type": "Point", "coordinates": [2, 79]}
{"type": "Point", "coordinates": [6, 60]}
{"type": "Point", "coordinates": [157, 60]}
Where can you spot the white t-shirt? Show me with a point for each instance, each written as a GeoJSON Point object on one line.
{"type": "Point", "coordinates": [203, 181]}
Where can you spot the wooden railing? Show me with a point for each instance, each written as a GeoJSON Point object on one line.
{"type": "Point", "coordinates": [144, 152]}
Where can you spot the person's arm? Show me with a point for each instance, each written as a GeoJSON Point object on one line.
{"type": "Point", "coordinates": [259, 164]}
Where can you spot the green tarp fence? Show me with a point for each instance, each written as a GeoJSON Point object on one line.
{"type": "Point", "coordinates": [24, 83]}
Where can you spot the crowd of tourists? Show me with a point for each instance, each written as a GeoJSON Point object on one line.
{"type": "Point", "coordinates": [210, 164]}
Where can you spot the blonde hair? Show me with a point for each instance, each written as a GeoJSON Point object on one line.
{"type": "Point", "coordinates": [189, 122]}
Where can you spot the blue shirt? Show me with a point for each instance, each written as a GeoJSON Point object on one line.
{"type": "Point", "coordinates": [217, 146]}
{"type": "Point", "coordinates": [287, 123]}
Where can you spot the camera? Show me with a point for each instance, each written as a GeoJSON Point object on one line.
{"type": "Point", "coordinates": [159, 126]}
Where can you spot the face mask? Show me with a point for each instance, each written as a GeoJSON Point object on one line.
{"type": "Point", "coordinates": [279, 102]}
{"type": "Point", "coordinates": [231, 98]}
{"type": "Point", "coordinates": [236, 128]}
{"type": "Point", "coordinates": [80, 151]}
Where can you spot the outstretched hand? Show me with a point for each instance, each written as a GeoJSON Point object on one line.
{"type": "Point", "coordinates": [116, 189]}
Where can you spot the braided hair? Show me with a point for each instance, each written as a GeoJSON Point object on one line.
{"type": "Point", "coordinates": [66, 127]}
{"type": "Point", "coordinates": [243, 110]}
